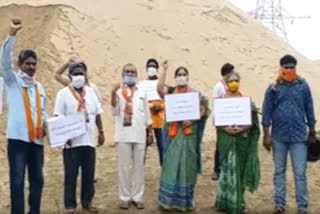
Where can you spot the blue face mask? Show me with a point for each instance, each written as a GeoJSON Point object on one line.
{"type": "Point", "coordinates": [129, 80]}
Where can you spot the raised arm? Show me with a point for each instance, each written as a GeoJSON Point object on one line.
{"type": "Point", "coordinates": [59, 75]}
{"type": "Point", "coordinates": [7, 52]}
{"type": "Point", "coordinates": [161, 88]}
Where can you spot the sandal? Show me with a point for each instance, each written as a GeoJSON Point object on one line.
{"type": "Point", "coordinates": [138, 204]}
{"type": "Point", "coordinates": [91, 210]}
{"type": "Point", "coordinates": [279, 210]}
{"type": "Point", "coordinates": [124, 205]}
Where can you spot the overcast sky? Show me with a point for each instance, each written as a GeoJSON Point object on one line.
{"type": "Point", "coordinates": [303, 34]}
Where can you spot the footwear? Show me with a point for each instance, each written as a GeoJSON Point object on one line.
{"type": "Point", "coordinates": [279, 210]}
{"type": "Point", "coordinates": [124, 205]}
{"type": "Point", "coordinates": [215, 176]}
{"type": "Point", "coordinates": [91, 210]}
{"type": "Point", "coordinates": [138, 204]}
{"type": "Point", "coordinates": [70, 211]}
{"type": "Point", "coordinates": [302, 212]}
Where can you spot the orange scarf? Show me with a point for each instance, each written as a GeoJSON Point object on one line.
{"type": "Point", "coordinates": [286, 75]}
{"type": "Point", "coordinates": [174, 126]}
{"type": "Point", "coordinates": [33, 134]}
{"type": "Point", "coordinates": [81, 100]}
{"type": "Point", "coordinates": [128, 110]}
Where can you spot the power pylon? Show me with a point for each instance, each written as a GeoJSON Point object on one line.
{"type": "Point", "coordinates": [272, 14]}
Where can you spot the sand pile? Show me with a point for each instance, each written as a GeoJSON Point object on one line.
{"type": "Point", "coordinates": [109, 33]}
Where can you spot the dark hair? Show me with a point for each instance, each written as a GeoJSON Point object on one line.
{"type": "Point", "coordinates": [25, 54]}
{"type": "Point", "coordinates": [226, 69]}
{"type": "Point", "coordinates": [152, 60]}
{"type": "Point", "coordinates": [180, 68]}
{"type": "Point", "coordinates": [287, 59]}
{"type": "Point", "coordinates": [84, 65]}
{"type": "Point", "coordinates": [74, 66]}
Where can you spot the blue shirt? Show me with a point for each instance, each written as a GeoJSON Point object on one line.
{"type": "Point", "coordinates": [17, 127]}
{"type": "Point", "coordinates": [288, 109]}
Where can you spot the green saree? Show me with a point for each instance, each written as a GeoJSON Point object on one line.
{"type": "Point", "coordinates": [240, 167]}
{"type": "Point", "coordinates": [181, 164]}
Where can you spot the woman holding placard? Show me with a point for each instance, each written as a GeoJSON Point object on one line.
{"type": "Point", "coordinates": [238, 147]}
{"type": "Point", "coordinates": [181, 147]}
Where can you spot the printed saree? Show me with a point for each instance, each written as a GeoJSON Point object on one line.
{"type": "Point", "coordinates": [240, 167]}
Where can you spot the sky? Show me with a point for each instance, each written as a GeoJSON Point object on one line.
{"type": "Point", "coordinates": [303, 34]}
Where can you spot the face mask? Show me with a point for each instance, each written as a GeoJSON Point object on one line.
{"type": "Point", "coordinates": [27, 81]}
{"type": "Point", "coordinates": [129, 80]}
{"type": "Point", "coordinates": [152, 71]}
{"type": "Point", "coordinates": [288, 75]}
{"type": "Point", "coordinates": [77, 81]}
{"type": "Point", "coordinates": [181, 80]}
{"type": "Point", "coordinates": [234, 86]}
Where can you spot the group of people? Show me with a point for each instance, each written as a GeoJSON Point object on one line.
{"type": "Point", "coordinates": [287, 109]}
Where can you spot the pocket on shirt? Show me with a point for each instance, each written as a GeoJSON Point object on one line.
{"type": "Point", "coordinates": [141, 103]}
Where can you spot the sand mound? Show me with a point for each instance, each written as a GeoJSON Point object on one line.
{"type": "Point", "coordinates": [109, 33]}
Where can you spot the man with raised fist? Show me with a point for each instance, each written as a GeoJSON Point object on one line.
{"type": "Point", "coordinates": [26, 100]}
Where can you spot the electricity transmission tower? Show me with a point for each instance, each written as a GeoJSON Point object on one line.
{"type": "Point", "coordinates": [272, 14]}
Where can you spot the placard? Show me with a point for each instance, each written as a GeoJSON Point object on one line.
{"type": "Point", "coordinates": [150, 87]}
{"type": "Point", "coordinates": [64, 128]}
{"type": "Point", "coordinates": [184, 106]}
{"type": "Point", "coordinates": [232, 111]}
{"type": "Point", "coordinates": [1, 94]}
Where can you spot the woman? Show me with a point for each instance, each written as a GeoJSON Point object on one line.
{"type": "Point", "coordinates": [182, 151]}
{"type": "Point", "coordinates": [240, 168]}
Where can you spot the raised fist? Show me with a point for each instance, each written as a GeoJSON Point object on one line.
{"type": "Point", "coordinates": [15, 26]}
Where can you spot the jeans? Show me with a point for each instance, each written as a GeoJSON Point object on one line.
{"type": "Point", "coordinates": [298, 153]}
{"type": "Point", "coordinates": [23, 155]}
{"type": "Point", "coordinates": [158, 135]}
{"type": "Point", "coordinates": [83, 157]}
{"type": "Point", "coordinates": [216, 167]}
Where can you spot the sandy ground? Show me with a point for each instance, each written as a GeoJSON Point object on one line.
{"type": "Point", "coordinates": [106, 197]}
{"type": "Point", "coordinates": [109, 33]}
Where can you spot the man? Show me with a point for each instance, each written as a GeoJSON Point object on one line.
{"type": "Point", "coordinates": [131, 110]}
{"type": "Point", "coordinates": [219, 92]}
{"type": "Point", "coordinates": [80, 152]}
{"type": "Point", "coordinates": [26, 101]}
{"type": "Point", "coordinates": [64, 80]}
{"type": "Point", "coordinates": [288, 109]}
{"type": "Point", "coordinates": [156, 108]}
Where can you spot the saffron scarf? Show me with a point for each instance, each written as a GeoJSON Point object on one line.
{"type": "Point", "coordinates": [174, 126]}
{"type": "Point", "coordinates": [80, 99]}
{"type": "Point", "coordinates": [38, 133]}
{"type": "Point", "coordinates": [128, 110]}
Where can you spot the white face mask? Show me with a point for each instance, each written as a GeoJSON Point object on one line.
{"type": "Point", "coordinates": [152, 71]}
{"type": "Point", "coordinates": [182, 81]}
{"type": "Point", "coordinates": [77, 81]}
{"type": "Point", "coordinates": [27, 81]}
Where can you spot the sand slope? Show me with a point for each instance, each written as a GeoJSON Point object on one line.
{"type": "Point", "coordinates": [109, 33]}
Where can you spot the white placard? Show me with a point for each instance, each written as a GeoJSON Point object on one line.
{"type": "Point", "coordinates": [232, 111]}
{"type": "Point", "coordinates": [63, 128]}
{"type": "Point", "coordinates": [1, 94]}
{"type": "Point", "coordinates": [184, 106]}
{"type": "Point", "coordinates": [150, 87]}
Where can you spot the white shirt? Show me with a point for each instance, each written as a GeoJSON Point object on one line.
{"type": "Point", "coordinates": [66, 104]}
{"type": "Point", "coordinates": [141, 118]}
{"type": "Point", "coordinates": [219, 90]}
